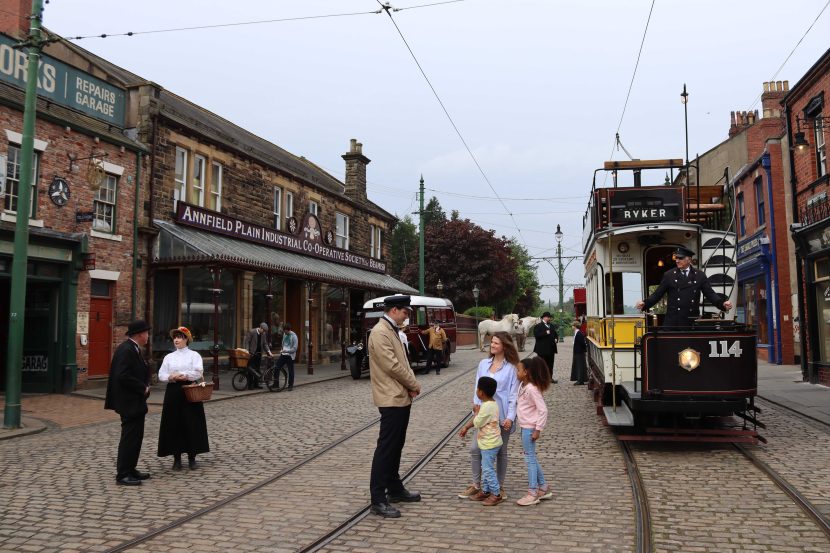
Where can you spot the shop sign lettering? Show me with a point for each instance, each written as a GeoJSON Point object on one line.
{"type": "Point", "coordinates": [307, 242]}
{"type": "Point", "coordinates": [63, 84]}
{"type": "Point", "coordinates": [35, 363]}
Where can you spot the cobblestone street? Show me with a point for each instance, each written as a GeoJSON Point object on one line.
{"type": "Point", "coordinates": [61, 493]}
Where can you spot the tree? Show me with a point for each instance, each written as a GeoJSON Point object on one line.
{"type": "Point", "coordinates": [403, 247]}
{"type": "Point", "coordinates": [434, 213]}
{"type": "Point", "coordinates": [527, 292]}
{"type": "Point", "coordinates": [464, 255]}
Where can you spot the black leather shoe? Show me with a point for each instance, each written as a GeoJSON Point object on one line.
{"type": "Point", "coordinates": [579, 383]}
{"type": "Point", "coordinates": [128, 481]}
{"type": "Point", "coordinates": [191, 464]}
{"type": "Point", "coordinates": [177, 464]}
{"type": "Point", "coordinates": [140, 475]}
{"type": "Point", "coordinates": [385, 510]}
{"type": "Point", "coordinates": [404, 496]}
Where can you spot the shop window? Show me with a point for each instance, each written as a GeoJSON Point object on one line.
{"type": "Point", "coordinates": [741, 215]}
{"type": "Point", "coordinates": [197, 306]}
{"type": "Point", "coordinates": [289, 205]}
{"type": "Point", "coordinates": [342, 231]}
{"type": "Point", "coordinates": [13, 181]}
{"type": "Point", "coordinates": [103, 205]}
{"type": "Point", "coordinates": [822, 268]}
{"type": "Point", "coordinates": [277, 208]}
{"type": "Point", "coordinates": [180, 177]}
{"type": "Point", "coordinates": [752, 307]}
{"type": "Point", "coordinates": [165, 310]}
{"type": "Point", "coordinates": [759, 198]}
{"type": "Point", "coordinates": [199, 165]}
{"type": "Point", "coordinates": [822, 295]}
{"type": "Point", "coordinates": [334, 317]}
{"type": "Point", "coordinates": [216, 187]}
{"type": "Point", "coordinates": [314, 209]}
{"type": "Point", "coordinates": [260, 307]}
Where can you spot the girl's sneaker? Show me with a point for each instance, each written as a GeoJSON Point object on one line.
{"type": "Point", "coordinates": [530, 499]}
{"type": "Point", "coordinates": [544, 494]}
{"type": "Point", "coordinates": [469, 491]}
{"type": "Point", "coordinates": [481, 495]}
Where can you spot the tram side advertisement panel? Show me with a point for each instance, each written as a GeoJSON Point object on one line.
{"type": "Point", "coordinates": [700, 364]}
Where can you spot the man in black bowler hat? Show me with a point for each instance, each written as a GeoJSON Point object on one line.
{"type": "Point", "coordinates": [546, 338]}
{"type": "Point", "coordinates": [393, 387]}
{"type": "Point", "coordinates": [683, 285]}
{"type": "Point", "coordinates": [127, 391]}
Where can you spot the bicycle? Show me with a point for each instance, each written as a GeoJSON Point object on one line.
{"type": "Point", "coordinates": [275, 379]}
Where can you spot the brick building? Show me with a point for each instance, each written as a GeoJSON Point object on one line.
{"type": "Point", "coordinates": [752, 161]}
{"type": "Point", "coordinates": [83, 284]}
{"type": "Point", "coordinates": [808, 127]}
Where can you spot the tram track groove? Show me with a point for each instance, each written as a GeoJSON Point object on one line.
{"type": "Point", "coordinates": [160, 531]}
{"type": "Point", "coordinates": [364, 512]}
{"type": "Point", "coordinates": [642, 514]}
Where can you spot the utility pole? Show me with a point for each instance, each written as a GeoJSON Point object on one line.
{"type": "Point", "coordinates": [421, 240]}
{"type": "Point", "coordinates": [17, 304]}
{"type": "Point", "coordinates": [560, 270]}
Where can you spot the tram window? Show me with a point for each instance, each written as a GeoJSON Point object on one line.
{"type": "Point", "coordinates": [822, 268]}
{"type": "Point", "coordinates": [420, 316]}
{"type": "Point", "coordinates": [627, 291]}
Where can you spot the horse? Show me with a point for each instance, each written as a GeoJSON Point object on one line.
{"type": "Point", "coordinates": [509, 324]}
{"type": "Point", "coordinates": [526, 325]}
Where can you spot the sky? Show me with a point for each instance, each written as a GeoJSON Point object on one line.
{"type": "Point", "coordinates": [536, 89]}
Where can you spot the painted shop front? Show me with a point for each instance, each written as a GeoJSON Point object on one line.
{"type": "Point", "coordinates": [222, 276]}
{"type": "Point", "coordinates": [814, 246]}
{"type": "Point", "coordinates": [756, 305]}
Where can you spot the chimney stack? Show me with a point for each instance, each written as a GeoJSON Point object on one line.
{"type": "Point", "coordinates": [14, 18]}
{"type": "Point", "coordinates": [356, 164]}
{"type": "Point", "coordinates": [771, 98]}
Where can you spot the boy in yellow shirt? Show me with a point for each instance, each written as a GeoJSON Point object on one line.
{"type": "Point", "coordinates": [489, 441]}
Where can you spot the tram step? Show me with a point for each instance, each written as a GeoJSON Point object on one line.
{"type": "Point", "coordinates": [621, 416]}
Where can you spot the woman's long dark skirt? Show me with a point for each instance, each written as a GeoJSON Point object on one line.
{"type": "Point", "coordinates": [183, 426]}
{"type": "Point", "coordinates": [579, 368]}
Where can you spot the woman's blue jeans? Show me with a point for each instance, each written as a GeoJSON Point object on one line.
{"type": "Point", "coordinates": [535, 478]}
{"type": "Point", "coordinates": [489, 482]}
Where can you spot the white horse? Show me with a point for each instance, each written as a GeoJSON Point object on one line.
{"type": "Point", "coordinates": [509, 324]}
{"type": "Point", "coordinates": [526, 324]}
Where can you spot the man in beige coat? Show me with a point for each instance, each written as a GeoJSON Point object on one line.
{"type": "Point", "coordinates": [393, 387]}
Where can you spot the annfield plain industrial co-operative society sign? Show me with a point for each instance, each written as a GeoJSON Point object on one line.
{"type": "Point", "coordinates": [63, 84]}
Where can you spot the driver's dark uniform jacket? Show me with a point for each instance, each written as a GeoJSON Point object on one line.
{"type": "Point", "coordinates": [683, 296]}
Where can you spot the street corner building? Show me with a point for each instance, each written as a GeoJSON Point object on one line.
{"type": "Point", "coordinates": [145, 205]}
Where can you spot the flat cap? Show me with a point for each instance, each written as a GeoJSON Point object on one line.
{"type": "Point", "coordinates": [682, 251]}
{"type": "Point", "coordinates": [398, 300]}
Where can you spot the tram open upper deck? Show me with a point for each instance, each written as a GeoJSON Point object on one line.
{"type": "Point", "coordinates": [640, 369]}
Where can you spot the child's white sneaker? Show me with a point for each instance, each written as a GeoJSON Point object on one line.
{"type": "Point", "coordinates": [529, 499]}
{"type": "Point", "coordinates": [544, 494]}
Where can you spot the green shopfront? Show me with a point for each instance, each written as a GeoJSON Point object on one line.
{"type": "Point", "coordinates": [55, 260]}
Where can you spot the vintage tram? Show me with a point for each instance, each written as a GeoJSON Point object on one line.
{"type": "Point", "coordinates": [649, 380]}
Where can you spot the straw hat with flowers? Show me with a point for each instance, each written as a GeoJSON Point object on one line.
{"type": "Point", "coordinates": [183, 331]}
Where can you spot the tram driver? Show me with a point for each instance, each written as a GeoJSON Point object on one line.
{"type": "Point", "coordinates": [683, 285]}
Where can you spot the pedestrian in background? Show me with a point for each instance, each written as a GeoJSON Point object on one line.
{"type": "Point", "coordinates": [546, 338]}
{"type": "Point", "coordinates": [183, 426]}
{"type": "Point", "coordinates": [488, 439]}
{"type": "Point", "coordinates": [289, 351]}
{"type": "Point", "coordinates": [393, 387]}
{"type": "Point", "coordinates": [127, 390]}
{"type": "Point", "coordinates": [435, 347]}
{"type": "Point", "coordinates": [501, 366]}
{"type": "Point", "coordinates": [533, 416]}
{"type": "Point", "coordinates": [256, 342]}
{"type": "Point", "coordinates": [579, 365]}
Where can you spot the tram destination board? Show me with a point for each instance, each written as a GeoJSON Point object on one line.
{"type": "Point", "coordinates": [645, 205]}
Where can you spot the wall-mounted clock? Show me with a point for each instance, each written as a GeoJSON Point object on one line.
{"type": "Point", "coordinates": [59, 191]}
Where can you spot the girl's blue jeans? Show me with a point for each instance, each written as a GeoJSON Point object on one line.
{"type": "Point", "coordinates": [489, 482]}
{"type": "Point", "coordinates": [535, 478]}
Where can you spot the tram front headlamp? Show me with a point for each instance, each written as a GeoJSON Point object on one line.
{"type": "Point", "coordinates": [688, 359]}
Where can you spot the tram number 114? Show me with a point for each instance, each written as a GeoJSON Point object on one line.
{"type": "Point", "coordinates": [723, 349]}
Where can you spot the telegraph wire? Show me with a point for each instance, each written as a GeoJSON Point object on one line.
{"type": "Point", "coordinates": [797, 44]}
{"type": "Point", "coordinates": [427, 5]}
{"type": "Point", "coordinates": [387, 8]}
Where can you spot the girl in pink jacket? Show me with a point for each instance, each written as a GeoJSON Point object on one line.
{"type": "Point", "coordinates": [532, 414]}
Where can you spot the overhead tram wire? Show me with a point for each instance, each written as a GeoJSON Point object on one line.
{"type": "Point", "coordinates": [797, 44]}
{"type": "Point", "coordinates": [631, 86]}
{"type": "Point", "coordinates": [388, 9]}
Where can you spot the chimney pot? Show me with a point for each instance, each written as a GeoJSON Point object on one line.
{"type": "Point", "coordinates": [353, 145]}
{"type": "Point", "coordinates": [359, 148]}
{"type": "Point", "coordinates": [786, 86]}
{"type": "Point", "coordinates": [766, 87]}
{"type": "Point", "coordinates": [779, 86]}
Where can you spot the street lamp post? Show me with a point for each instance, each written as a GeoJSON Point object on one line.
{"type": "Point", "coordinates": [559, 269]}
{"type": "Point", "coordinates": [475, 296]}
{"type": "Point", "coordinates": [684, 97]}
{"type": "Point", "coordinates": [439, 287]}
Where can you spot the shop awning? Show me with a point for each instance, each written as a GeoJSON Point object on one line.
{"type": "Point", "coordinates": [181, 245]}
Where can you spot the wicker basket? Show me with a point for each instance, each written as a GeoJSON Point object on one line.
{"type": "Point", "coordinates": [195, 393]}
{"type": "Point", "coordinates": [238, 358]}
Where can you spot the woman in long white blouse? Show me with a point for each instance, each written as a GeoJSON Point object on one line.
{"type": "Point", "coordinates": [183, 426]}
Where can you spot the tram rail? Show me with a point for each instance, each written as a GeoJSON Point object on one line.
{"type": "Point", "coordinates": [235, 497]}
{"type": "Point", "coordinates": [642, 514]}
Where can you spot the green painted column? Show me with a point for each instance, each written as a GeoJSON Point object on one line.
{"type": "Point", "coordinates": [17, 304]}
{"type": "Point", "coordinates": [421, 240]}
